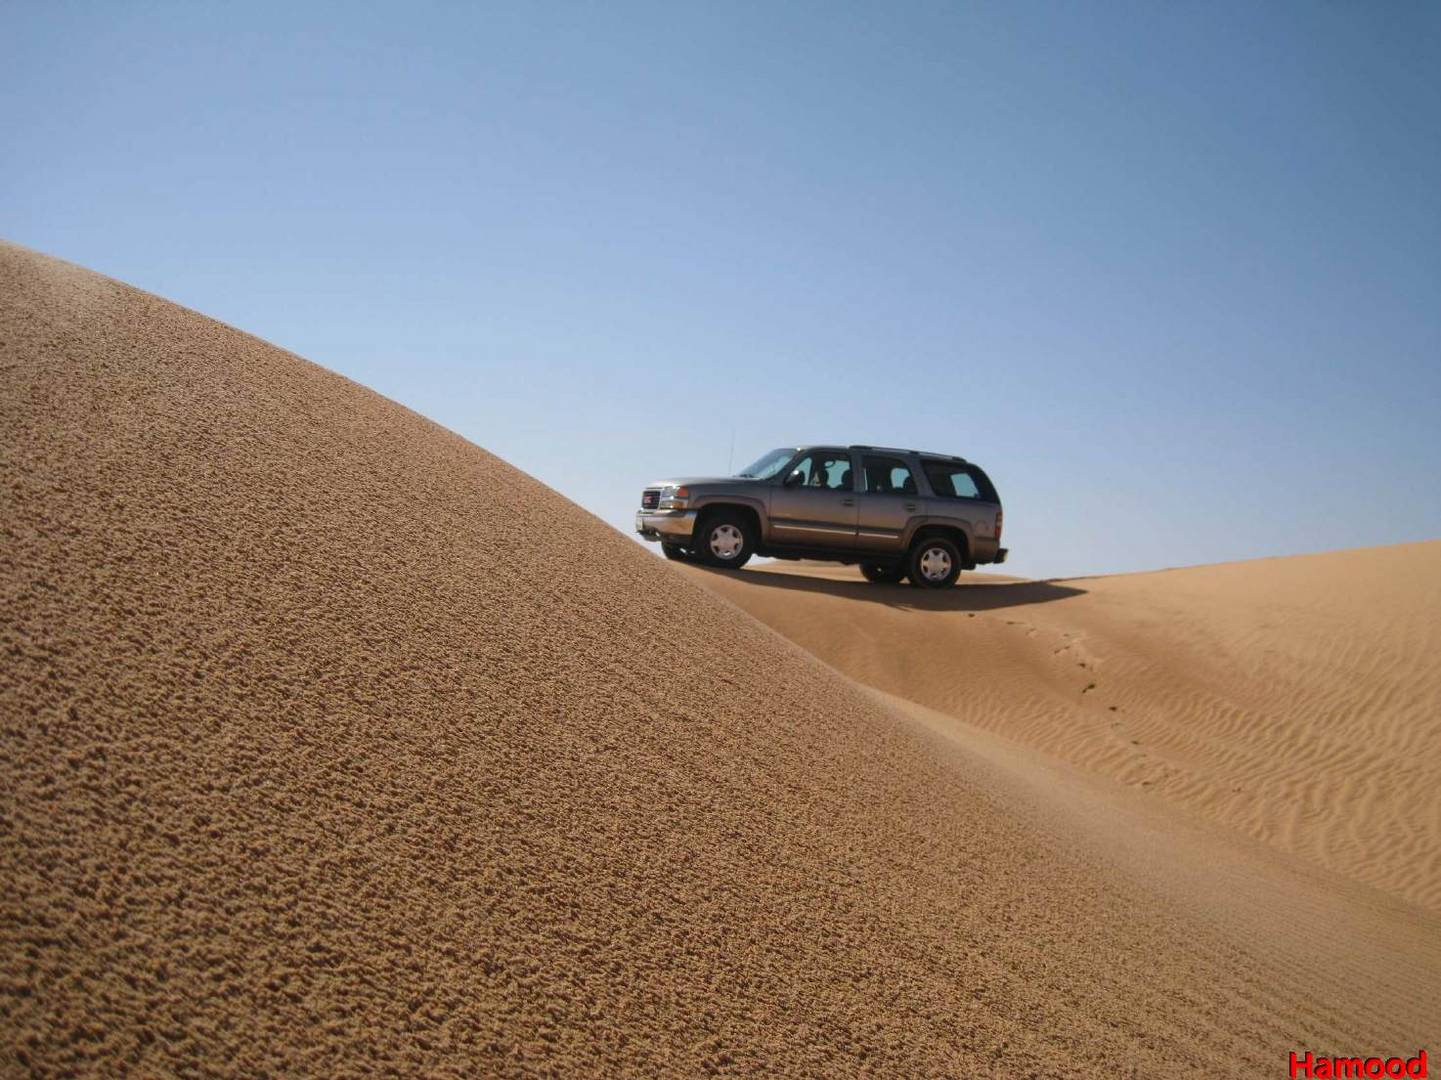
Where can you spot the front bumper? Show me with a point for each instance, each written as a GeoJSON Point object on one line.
{"type": "Point", "coordinates": [674, 525]}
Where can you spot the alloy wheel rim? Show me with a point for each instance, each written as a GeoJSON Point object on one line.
{"type": "Point", "coordinates": [726, 541]}
{"type": "Point", "coordinates": [935, 564]}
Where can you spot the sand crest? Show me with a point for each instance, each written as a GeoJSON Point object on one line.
{"type": "Point", "coordinates": [333, 744]}
{"type": "Point", "coordinates": [1296, 701]}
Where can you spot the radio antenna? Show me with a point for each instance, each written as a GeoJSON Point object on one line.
{"type": "Point", "coordinates": [731, 457]}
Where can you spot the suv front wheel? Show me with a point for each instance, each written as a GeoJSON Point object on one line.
{"type": "Point", "coordinates": [725, 539]}
{"type": "Point", "coordinates": [935, 563]}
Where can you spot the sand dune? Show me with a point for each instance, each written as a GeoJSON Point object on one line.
{"type": "Point", "coordinates": [1295, 700]}
{"type": "Point", "coordinates": [333, 744]}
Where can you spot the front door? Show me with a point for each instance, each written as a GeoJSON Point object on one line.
{"type": "Point", "coordinates": [888, 500]}
{"type": "Point", "coordinates": [815, 504]}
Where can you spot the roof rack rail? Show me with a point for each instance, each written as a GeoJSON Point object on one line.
{"type": "Point", "coordinates": [918, 453]}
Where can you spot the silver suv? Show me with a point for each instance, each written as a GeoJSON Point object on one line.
{"type": "Point", "coordinates": [898, 513]}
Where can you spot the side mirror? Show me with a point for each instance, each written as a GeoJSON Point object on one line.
{"type": "Point", "coordinates": [795, 479]}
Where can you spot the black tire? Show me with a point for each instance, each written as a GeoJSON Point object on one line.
{"type": "Point", "coordinates": [883, 573]}
{"type": "Point", "coordinates": [674, 551]}
{"type": "Point", "coordinates": [723, 532]}
{"type": "Point", "coordinates": [934, 563]}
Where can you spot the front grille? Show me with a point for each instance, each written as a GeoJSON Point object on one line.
{"type": "Point", "coordinates": [650, 498]}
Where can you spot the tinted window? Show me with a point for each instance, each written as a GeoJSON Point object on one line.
{"type": "Point", "coordinates": [829, 471]}
{"type": "Point", "coordinates": [888, 476]}
{"type": "Point", "coordinates": [952, 481]}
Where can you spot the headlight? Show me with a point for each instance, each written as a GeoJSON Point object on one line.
{"type": "Point", "coordinates": [674, 498]}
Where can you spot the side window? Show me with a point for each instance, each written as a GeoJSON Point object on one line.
{"type": "Point", "coordinates": [888, 476]}
{"type": "Point", "coordinates": [952, 482]}
{"type": "Point", "coordinates": [829, 472]}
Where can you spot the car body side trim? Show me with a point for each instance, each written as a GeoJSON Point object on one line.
{"type": "Point", "coordinates": [799, 526]}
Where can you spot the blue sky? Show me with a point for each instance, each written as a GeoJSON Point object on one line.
{"type": "Point", "coordinates": [1172, 273]}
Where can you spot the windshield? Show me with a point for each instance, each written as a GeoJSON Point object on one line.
{"type": "Point", "coordinates": [768, 464]}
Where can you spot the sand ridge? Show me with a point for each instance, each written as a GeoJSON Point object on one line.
{"type": "Point", "coordinates": [315, 764]}
{"type": "Point", "coordinates": [1294, 700]}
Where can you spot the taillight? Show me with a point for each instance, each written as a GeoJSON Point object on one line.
{"type": "Point", "coordinates": [998, 525]}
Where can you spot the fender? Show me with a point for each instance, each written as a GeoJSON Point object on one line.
{"type": "Point", "coordinates": [921, 521]}
{"type": "Point", "coordinates": [701, 502]}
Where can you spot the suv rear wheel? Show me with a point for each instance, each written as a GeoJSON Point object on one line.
{"type": "Point", "coordinates": [883, 573]}
{"type": "Point", "coordinates": [725, 539]}
{"type": "Point", "coordinates": [935, 563]}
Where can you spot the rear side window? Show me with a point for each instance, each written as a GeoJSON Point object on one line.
{"type": "Point", "coordinates": [959, 481]}
{"type": "Point", "coordinates": [888, 476]}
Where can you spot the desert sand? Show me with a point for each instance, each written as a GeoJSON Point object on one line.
{"type": "Point", "coordinates": [1294, 700]}
{"type": "Point", "coordinates": [333, 745]}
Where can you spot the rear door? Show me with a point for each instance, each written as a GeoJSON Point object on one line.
{"type": "Point", "coordinates": [887, 501]}
{"type": "Point", "coordinates": [814, 504]}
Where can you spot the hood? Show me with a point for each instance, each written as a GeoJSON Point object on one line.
{"type": "Point", "coordinates": [698, 481]}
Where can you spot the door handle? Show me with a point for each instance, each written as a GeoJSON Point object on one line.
{"type": "Point", "coordinates": [848, 502]}
{"type": "Point", "coordinates": [910, 506]}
